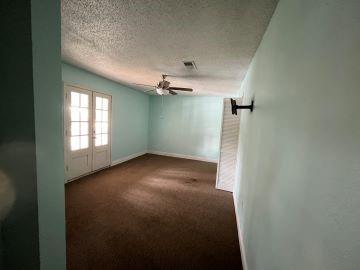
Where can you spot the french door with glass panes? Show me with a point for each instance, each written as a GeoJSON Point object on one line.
{"type": "Point", "coordinates": [87, 131]}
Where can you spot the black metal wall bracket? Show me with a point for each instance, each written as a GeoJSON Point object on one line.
{"type": "Point", "coordinates": [235, 107]}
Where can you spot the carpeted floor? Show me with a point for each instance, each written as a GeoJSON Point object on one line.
{"type": "Point", "coordinates": [152, 212]}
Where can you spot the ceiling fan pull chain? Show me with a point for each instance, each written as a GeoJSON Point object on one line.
{"type": "Point", "coordinates": [162, 106]}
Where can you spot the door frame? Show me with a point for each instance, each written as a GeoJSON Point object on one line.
{"type": "Point", "coordinates": [65, 86]}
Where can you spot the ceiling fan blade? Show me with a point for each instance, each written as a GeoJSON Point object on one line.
{"type": "Point", "coordinates": [180, 89]}
{"type": "Point", "coordinates": [144, 85]}
{"type": "Point", "coordinates": [172, 92]}
{"type": "Point", "coordinates": [149, 91]}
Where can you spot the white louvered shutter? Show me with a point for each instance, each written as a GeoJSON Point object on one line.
{"type": "Point", "coordinates": [228, 147]}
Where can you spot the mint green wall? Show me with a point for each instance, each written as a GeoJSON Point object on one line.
{"type": "Point", "coordinates": [185, 125]}
{"type": "Point", "coordinates": [130, 109]}
{"type": "Point", "coordinates": [46, 35]}
{"type": "Point", "coordinates": [299, 173]}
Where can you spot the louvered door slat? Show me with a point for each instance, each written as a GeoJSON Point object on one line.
{"type": "Point", "coordinates": [228, 147]}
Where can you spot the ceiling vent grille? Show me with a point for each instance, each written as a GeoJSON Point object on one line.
{"type": "Point", "coordinates": [190, 65]}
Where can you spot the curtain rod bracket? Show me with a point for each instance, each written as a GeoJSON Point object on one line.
{"type": "Point", "coordinates": [235, 107]}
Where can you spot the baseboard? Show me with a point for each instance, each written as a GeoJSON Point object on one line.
{"type": "Point", "coordinates": [222, 189]}
{"type": "Point", "coordinates": [241, 239]}
{"type": "Point", "coordinates": [121, 160]}
{"type": "Point", "coordinates": [182, 156]}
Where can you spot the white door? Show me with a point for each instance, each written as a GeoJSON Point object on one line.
{"type": "Point", "coordinates": [101, 112]}
{"type": "Point", "coordinates": [87, 131]}
{"type": "Point", "coordinates": [228, 147]}
{"type": "Point", "coordinates": [78, 143]}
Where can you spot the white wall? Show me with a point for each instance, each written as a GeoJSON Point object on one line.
{"type": "Point", "coordinates": [298, 191]}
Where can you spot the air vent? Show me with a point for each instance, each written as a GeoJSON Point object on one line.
{"type": "Point", "coordinates": [190, 65]}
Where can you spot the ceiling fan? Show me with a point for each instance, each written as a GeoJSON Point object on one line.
{"type": "Point", "coordinates": [163, 87]}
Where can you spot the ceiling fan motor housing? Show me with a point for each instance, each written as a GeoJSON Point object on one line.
{"type": "Point", "coordinates": [163, 84]}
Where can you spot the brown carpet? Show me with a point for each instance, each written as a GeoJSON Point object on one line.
{"type": "Point", "coordinates": [152, 212]}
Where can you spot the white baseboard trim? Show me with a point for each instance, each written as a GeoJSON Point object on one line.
{"type": "Point", "coordinates": [241, 239]}
{"type": "Point", "coordinates": [121, 160]}
{"type": "Point", "coordinates": [182, 156]}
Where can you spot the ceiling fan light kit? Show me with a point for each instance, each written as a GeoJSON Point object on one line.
{"type": "Point", "coordinates": [160, 91]}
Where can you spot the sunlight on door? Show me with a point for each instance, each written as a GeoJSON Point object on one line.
{"type": "Point", "coordinates": [79, 121]}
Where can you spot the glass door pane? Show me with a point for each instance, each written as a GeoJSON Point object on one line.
{"type": "Point", "coordinates": [101, 121]}
{"type": "Point", "coordinates": [79, 121]}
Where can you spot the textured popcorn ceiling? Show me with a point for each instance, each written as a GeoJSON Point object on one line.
{"type": "Point", "coordinates": [131, 41]}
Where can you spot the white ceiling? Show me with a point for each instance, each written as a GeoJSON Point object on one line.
{"type": "Point", "coordinates": [132, 41]}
